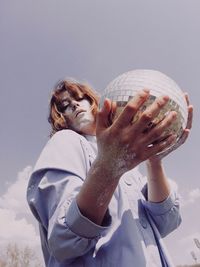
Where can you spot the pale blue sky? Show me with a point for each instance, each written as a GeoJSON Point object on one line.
{"type": "Point", "coordinates": [94, 41]}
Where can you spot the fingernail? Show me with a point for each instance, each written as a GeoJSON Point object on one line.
{"type": "Point", "coordinates": [104, 104]}
{"type": "Point", "coordinates": [166, 98]}
{"type": "Point", "coordinates": [163, 100]}
{"type": "Point", "coordinates": [174, 114]}
{"type": "Point", "coordinates": [146, 90]}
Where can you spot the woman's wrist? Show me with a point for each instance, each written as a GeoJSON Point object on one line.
{"type": "Point", "coordinates": [154, 162]}
{"type": "Point", "coordinates": [155, 169]}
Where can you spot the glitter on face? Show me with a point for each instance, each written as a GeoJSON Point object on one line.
{"type": "Point", "coordinates": [79, 114]}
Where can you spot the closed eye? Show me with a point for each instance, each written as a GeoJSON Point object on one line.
{"type": "Point", "coordinates": [65, 107]}
{"type": "Point", "coordinates": [65, 104]}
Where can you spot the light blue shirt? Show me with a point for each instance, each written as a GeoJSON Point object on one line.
{"type": "Point", "coordinates": [132, 230]}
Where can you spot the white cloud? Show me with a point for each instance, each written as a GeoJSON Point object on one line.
{"type": "Point", "coordinates": [15, 196]}
{"type": "Point", "coordinates": [188, 245]}
{"type": "Point", "coordinates": [13, 230]}
{"type": "Point", "coordinates": [194, 195]}
{"type": "Point", "coordinates": [191, 197]}
{"type": "Point", "coordinates": [14, 213]}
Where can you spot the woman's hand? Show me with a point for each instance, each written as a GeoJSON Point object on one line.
{"type": "Point", "coordinates": [183, 137]}
{"type": "Point", "coordinates": [123, 145]}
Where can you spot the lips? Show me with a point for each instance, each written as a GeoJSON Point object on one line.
{"type": "Point", "coordinates": [78, 112]}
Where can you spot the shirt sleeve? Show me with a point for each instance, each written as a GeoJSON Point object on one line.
{"type": "Point", "coordinates": [165, 214]}
{"type": "Point", "coordinates": [70, 234]}
{"type": "Point", "coordinates": [53, 186]}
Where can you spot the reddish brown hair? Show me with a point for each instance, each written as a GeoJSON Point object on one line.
{"type": "Point", "coordinates": [75, 89]}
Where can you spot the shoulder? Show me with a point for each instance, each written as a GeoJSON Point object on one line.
{"type": "Point", "coordinates": [64, 151]}
{"type": "Point", "coordinates": [65, 137]}
{"type": "Point", "coordinates": [65, 140]}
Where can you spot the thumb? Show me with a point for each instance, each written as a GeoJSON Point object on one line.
{"type": "Point", "coordinates": [102, 119]}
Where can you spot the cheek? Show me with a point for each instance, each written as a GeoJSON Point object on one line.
{"type": "Point", "coordinates": [86, 104]}
{"type": "Point", "coordinates": [68, 111]}
{"type": "Point", "coordinates": [94, 112]}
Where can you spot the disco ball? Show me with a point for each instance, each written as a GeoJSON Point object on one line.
{"type": "Point", "coordinates": [123, 88]}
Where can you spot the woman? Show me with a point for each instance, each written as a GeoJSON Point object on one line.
{"type": "Point", "coordinates": [93, 206]}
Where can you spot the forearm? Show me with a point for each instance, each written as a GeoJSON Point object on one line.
{"type": "Point", "coordinates": [97, 191]}
{"type": "Point", "coordinates": [158, 185]}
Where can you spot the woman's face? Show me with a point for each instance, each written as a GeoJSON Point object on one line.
{"type": "Point", "coordinates": [78, 114]}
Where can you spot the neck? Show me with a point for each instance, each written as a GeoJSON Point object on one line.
{"type": "Point", "coordinates": [90, 131]}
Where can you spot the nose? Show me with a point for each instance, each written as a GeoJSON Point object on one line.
{"type": "Point", "coordinates": [74, 104]}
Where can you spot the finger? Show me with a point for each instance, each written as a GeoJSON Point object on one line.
{"type": "Point", "coordinates": [157, 148]}
{"type": "Point", "coordinates": [171, 147]}
{"type": "Point", "coordinates": [162, 138]}
{"type": "Point", "coordinates": [150, 113]}
{"type": "Point", "coordinates": [190, 117]}
{"type": "Point", "coordinates": [112, 112]}
{"type": "Point", "coordinates": [183, 137]}
{"type": "Point", "coordinates": [130, 110]}
{"type": "Point", "coordinates": [102, 118]}
{"type": "Point", "coordinates": [181, 140]}
{"type": "Point", "coordinates": [158, 132]}
{"type": "Point", "coordinates": [187, 98]}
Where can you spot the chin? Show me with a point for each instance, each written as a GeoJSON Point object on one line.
{"type": "Point", "coordinates": [84, 128]}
